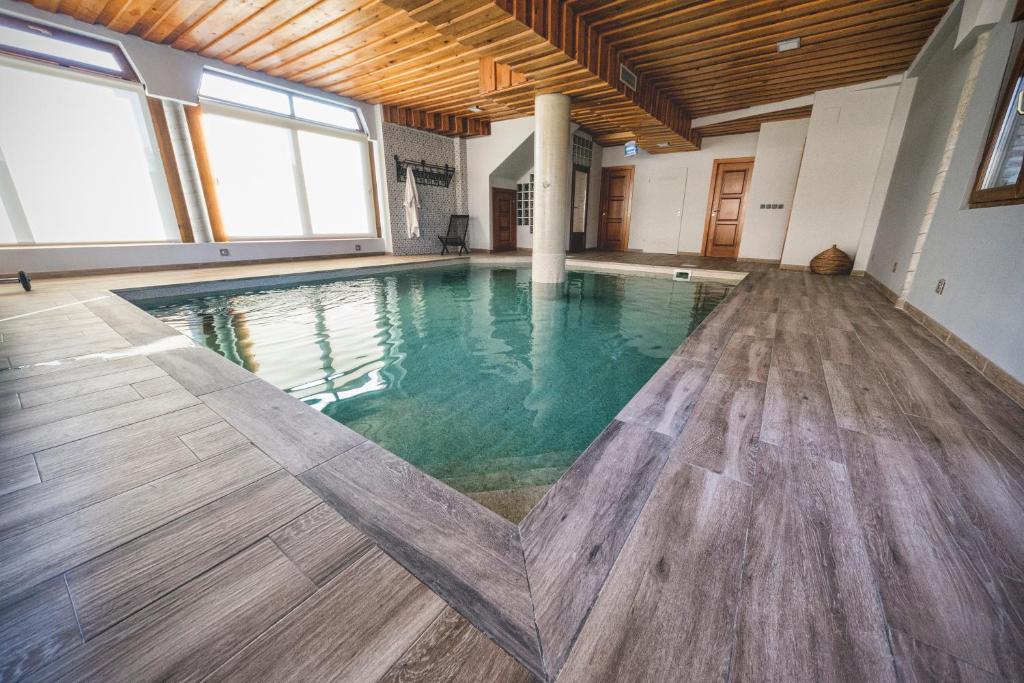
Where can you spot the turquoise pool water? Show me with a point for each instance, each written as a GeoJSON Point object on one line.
{"type": "Point", "coordinates": [469, 373]}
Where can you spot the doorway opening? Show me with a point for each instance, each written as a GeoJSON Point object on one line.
{"type": "Point", "coordinates": [580, 195]}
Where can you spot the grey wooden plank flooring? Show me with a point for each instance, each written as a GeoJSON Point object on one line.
{"type": "Point", "coordinates": [746, 357]}
{"type": "Point", "coordinates": [667, 611]}
{"type": "Point", "coordinates": [65, 542]}
{"type": "Point", "coordinates": [191, 631]}
{"type": "Point", "coordinates": [863, 403]}
{"type": "Point", "coordinates": [948, 512]}
{"type": "Point", "coordinates": [44, 414]}
{"type": "Point", "coordinates": [286, 430]}
{"type": "Point", "coordinates": [17, 473]}
{"type": "Point", "coordinates": [665, 402]}
{"type": "Point", "coordinates": [706, 343]}
{"type": "Point", "coordinates": [757, 323]}
{"type": "Point", "coordinates": [938, 581]}
{"type": "Point", "coordinates": [465, 553]}
{"type": "Point", "coordinates": [916, 388]}
{"type": "Point", "coordinates": [48, 435]}
{"type": "Point", "coordinates": [809, 608]}
{"type": "Point", "coordinates": [70, 379]}
{"type": "Point", "coordinates": [96, 452]}
{"type": "Point", "coordinates": [988, 481]}
{"type": "Point", "coordinates": [798, 414]}
{"type": "Point", "coordinates": [76, 348]}
{"type": "Point", "coordinates": [796, 351]}
{"type": "Point", "coordinates": [75, 390]}
{"type": "Point", "coordinates": [37, 630]}
{"type": "Point", "coordinates": [723, 432]}
{"type": "Point", "coordinates": [155, 386]}
{"type": "Point", "coordinates": [132, 323]}
{"type": "Point", "coordinates": [321, 543]}
{"type": "Point", "coordinates": [214, 440]}
{"type": "Point", "coordinates": [53, 498]}
{"type": "Point", "coordinates": [917, 662]}
{"type": "Point", "coordinates": [111, 587]}
{"type": "Point", "coordinates": [200, 370]}
{"type": "Point", "coordinates": [994, 409]}
{"type": "Point", "coordinates": [352, 629]}
{"type": "Point", "coordinates": [573, 535]}
{"type": "Point", "coordinates": [452, 651]}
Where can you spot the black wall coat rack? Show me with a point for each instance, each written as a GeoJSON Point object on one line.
{"type": "Point", "coordinates": [424, 173]}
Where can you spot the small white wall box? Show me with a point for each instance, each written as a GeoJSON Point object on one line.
{"type": "Point", "coordinates": [682, 274]}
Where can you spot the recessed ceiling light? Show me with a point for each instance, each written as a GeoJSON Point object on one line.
{"type": "Point", "coordinates": [475, 109]}
{"type": "Point", "coordinates": [791, 44]}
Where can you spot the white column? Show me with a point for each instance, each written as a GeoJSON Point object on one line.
{"type": "Point", "coordinates": [551, 187]}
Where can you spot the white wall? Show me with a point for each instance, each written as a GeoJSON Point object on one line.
{"type": "Point", "coordinates": [780, 147]}
{"type": "Point", "coordinates": [670, 192]}
{"type": "Point", "coordinates": [845, 140]}
{"type": "Point", "coordinates": [58, 259]}
{"type": "Point", "coordinates": [883, 177]}
{"type": "Point", "coordinates": [484, 155]}
{"type": "Point", "coordinates": [978, 252]}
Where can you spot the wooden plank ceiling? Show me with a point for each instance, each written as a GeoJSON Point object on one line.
{"type": "Point", "coordinates": [422, 57]}
{"type": "Point", "coordinates": [752, 124]}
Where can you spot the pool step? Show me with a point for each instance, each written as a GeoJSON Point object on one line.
{"type": "Point", "coordinates": [518, 463]}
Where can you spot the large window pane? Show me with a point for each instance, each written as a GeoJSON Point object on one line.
{"type": "Point", "coordinates": [1008, 151]}
{"type": "Point", "coordinates": [42, 41]}
{"type": "Point", "coordinates": [336, 183]}
{"type": "Point", "coordinates": [81, 159]}
{"type": "Point", "coordinates": [234, 90]}
{"type": "Point", "coordinates": [254, 166]}
{"type": "Point", "coordinates": [322, 112]}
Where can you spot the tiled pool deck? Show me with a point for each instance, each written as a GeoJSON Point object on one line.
{"type": "Point", "coordinates": [812, 487]}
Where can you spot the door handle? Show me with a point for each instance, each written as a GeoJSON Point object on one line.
{"type": "Point", "coordinates": [1020, 103]}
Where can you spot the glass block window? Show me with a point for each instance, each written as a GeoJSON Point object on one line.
{"type": "Point", "coordinates": [582, 150]}
{"type": "Point", "coordinates": [524, 204]}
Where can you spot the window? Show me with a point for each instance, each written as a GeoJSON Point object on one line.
{"type": "Point", "coordinates": [237, 91]}
{"type": "Point", "coordinates": [63, 48]}
{"type": "Point", "coordinates": [282, 177]}
{"type": "Point", "coordinates": [78, 160]}
{"type": "Point", "coordinates": [524, 204]}
{"type": "Point", "coordinates": [1000, 180]}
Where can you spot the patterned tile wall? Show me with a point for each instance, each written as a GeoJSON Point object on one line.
{"type": "Point", "coordinates": [436, 203]}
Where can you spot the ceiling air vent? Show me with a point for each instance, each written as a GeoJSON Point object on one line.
{"type": "Point", "coordinates": [627, 77]}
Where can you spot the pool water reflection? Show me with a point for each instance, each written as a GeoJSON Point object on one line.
{"type": "Point", "coordinates": [471, 374]}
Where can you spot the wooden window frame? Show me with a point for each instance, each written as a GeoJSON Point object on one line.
{"type": "Point", "coordinates": [1009, 194]}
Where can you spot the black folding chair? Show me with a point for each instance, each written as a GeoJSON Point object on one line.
{"type": "Point", "coordinates": [456, 235]}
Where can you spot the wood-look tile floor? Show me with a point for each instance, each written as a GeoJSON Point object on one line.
{"type": "Point", "coordinates": [812, 488]}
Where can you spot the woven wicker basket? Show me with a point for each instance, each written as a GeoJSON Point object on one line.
{"type": "Point", "coordinates": [832, 261]}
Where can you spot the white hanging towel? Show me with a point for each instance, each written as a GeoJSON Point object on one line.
{"type": "Point", "coordinates": [412, 205]}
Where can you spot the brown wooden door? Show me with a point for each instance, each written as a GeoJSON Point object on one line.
{"type": "Point", "coordinates": [730, 181]}
{"type": "Point", "coordinates": [503, 219]}
{"type": "Point", "coordinates": [616, 199]}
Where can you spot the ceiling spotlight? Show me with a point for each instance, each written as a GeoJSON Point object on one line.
{"type": "Point", "coordinates": [786, 45]}
{"type": "Point", "coordinates": [475, 109]}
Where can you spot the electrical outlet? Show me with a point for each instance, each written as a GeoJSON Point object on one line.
{"type": "Point", "coordinates": [359, 247]}
{"type": "Point", "coordinates": [940, 286]}
{"type": "Point", "coordinates": [894, 264]}
{"type": "Point", "coordinates": [225, 252]}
